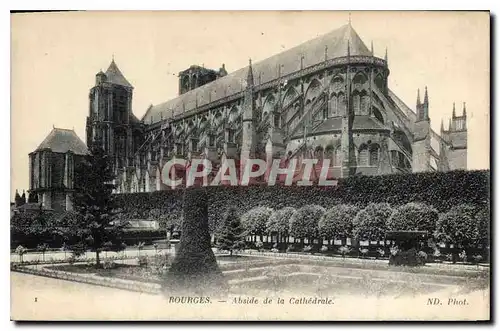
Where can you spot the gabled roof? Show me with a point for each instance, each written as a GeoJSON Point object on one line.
{"type": "Point", "coordinates": [334, 44]}
{"type": "Point", "coordinates": [62, 141]}
{"type": "Point", "coordinates": [115, 76]}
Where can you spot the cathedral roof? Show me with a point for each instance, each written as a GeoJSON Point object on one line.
{"type": "Point", "coordinates": [334, 44]}
{"type": "Point", "coordinates": [62, 141]}
{"type": "Point", "coordinates": [115, 76]}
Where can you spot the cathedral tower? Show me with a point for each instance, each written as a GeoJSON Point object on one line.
{"type": "Point", "coordinates": [110, 119]}
{"type": "Point", "coordinates": [421, 142]}
{"type": "Point", "coordinates": [456, 139]}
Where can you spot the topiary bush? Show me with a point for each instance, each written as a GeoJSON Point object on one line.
{"type": "Point", "coordinates": [458, 227]}
{"type": "Point", "coordinates": [370, 223]}
{"type": "Point", "coordinates": [412, 217]}
{"type": "Point", "coordinates": [337, 222]}
{"type": "Point", "coordinates": [194, 270]}
{"type": "Point", "coordinates": [304, 223]}
{"type": "Point", "coordinates": [255, 221]}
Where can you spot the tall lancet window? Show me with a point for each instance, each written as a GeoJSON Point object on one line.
{"type": "Point", "coordinates": [333, 105]}
{"type": "Point", "coordinates": [363, 155]}
{"type": "Point", "coordinates": [374, 155]}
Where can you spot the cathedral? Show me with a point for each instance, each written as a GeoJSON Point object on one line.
{"type": "Point", "coordinates": [327, 98]}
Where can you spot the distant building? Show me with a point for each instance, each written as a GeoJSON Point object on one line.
{"type": "Point", "coordinates": [52, 167]}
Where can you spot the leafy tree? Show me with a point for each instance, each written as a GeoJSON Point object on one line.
{"type": "Point", "coordinates": [304, 223]}
{"type": "Point", "coordinates": [279, 222]}
{"type": "Point", "coordinates": [254, 221]}
{"type": "Point", "coordinates": [232, 237]}
{"type": "Point", "coordinates": [483, 224]}
{"type": "Point", "coordinates": [337, 222]}
{"type": "Point", "coordinates": [370, 223]}
{"type": "Point", "coordinates": [458, 227]}
{"type": "Point", "coordinates": [20, 250]}
{"type": "Point", "coordinates": [412, 217]}
{"type": "Point", "coordinates": [94, 201]}
{"type": "Point", "coordinates": [42, 248]}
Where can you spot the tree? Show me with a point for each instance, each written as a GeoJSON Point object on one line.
{"type": "Point", "coordinates": [194, 269]}
{"type": "Point", "coordinates": [458, 227]}
{"type": "Point", "coordinates": [337, 222]}
{"type": "Point", "coordinates": [304, 223]}
{"type": "Point", "coordinates": [370, 223]}
{"type": "Point", "coordinates": [254, 221]}
{"type": "Point", "coordinates": [94, 201]}
{"type": "Point", "coordinates": [231, 236]}
{"type": "Point", "coordinates": [413, 217]}
{"type": "Point", "coordinates": [279, 222]}
{"type": "Point", "coordinates": [483, 224]}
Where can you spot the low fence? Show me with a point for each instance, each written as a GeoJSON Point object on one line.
{"type": "Point", "coordinates": [37, 257]}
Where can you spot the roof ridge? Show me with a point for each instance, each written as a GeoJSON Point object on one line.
{"type": "Point", "coordinates": [327, 45]}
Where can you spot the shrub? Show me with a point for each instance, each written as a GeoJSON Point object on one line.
{"type": "Point", "coordinates": [463, 256]}
{"type": "Point", "coordinates": [231, 236]}
{"type": "Point", "coordinates": [304, 223]}
{"type": "Point", "coordinates": [279, 221]}
{"type": "Point", "coordinates": [412, 217]}
{"type": "Point", "coordinates": [142, 260]}
{"type": "Point", "coordinates": [109, 264]}
{"type": "Point", "coordinates": [344, 250]}
{"type": "Point", "coordinates": [275, 250]}
{"type": "Point", "coordinates": [363, 252]}
{"type": "Point", "coordinates": [20, 250]}
{"type": "Point", "coordinates": [307, 249]}
{"type": "Point", "coordinates": [458, 227]}
{"type": "Point", "coordinates": [259, 245]}
{"type": "Point", "coordinates": [394, 250]}
{"type": "Point", "coordinates": [291, 248]}
{"type": "Point", "coordinates": [422, 255]}
{"type": "Point", "coordinates": [254, 221]}
{"type": "Point", "coordinates": [370, 223]}
{"type": "Point", "coordinates": [337, 222]}
{"type": "Point", "coordinates": [381, 252]}
{"type": "Point", "coordinates": [477, 258]}
{"type": "Point", "coordinates": [324, 249]}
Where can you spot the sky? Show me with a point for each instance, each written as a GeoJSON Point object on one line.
{"type": "Point", "coordinates": [55, 56]}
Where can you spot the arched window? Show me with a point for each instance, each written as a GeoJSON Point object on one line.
{"type": "Point", "coordinates": [330, 154]}
{"type": "Point", "coordinates": [379, 82]}
{"type": "Point", "coordinates": [318, 153]}
{"type": "Point", "coordinates": [333, 105]}
{"type": "Point", "coordinates": [338, 157]}
{"type": "Point", "coordinates": [374, 154]}
{"type": "Point", "coordinates": [378, 115]}
{"type": "Point", "coordinates": [363, 155]}
{"type": "Point", "coordinates": [365, 103]}
{"type": "Point", "coordinates": [341, 104]}
{"type": "Point", "coordinates": [356, 100]}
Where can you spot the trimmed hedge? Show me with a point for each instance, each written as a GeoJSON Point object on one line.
{"type": "Point", "coordinates": [442, 190]}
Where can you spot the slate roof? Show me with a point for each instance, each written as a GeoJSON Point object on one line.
{"type": "Point", "coordinates": [63, 140]}
{"type": "Point", "coordinates": [115, 76]}
{"type": "Point", "coordinates": [313, 52]}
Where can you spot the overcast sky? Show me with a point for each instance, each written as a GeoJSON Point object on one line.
{"type": "Point", "coordinates": [55, 57]}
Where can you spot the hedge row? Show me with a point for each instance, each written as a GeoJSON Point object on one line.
{"type": "Point", "coordinates": [442, 190]}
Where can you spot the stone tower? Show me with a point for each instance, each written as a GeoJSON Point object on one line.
{"type": "Point", "coordinates": [456, 139]}
{"type": "Point", "coordinates": [421, 141]}
{"type": "Point", "coordinates": [110, 119]}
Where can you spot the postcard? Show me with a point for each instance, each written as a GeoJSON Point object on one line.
{"type": "Point", "coordinates": [250, 166]}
